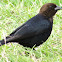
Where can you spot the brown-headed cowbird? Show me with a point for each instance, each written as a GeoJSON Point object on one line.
{"type": "Point", "coordinates": [36, 30]}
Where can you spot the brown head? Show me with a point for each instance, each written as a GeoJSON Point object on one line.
{"type": "Point", "coordinates": [49, 9]}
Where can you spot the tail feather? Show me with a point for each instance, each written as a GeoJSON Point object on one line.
{"type": "Point", "coordinates": [2, 42]}
{"type": "Point", "coordinates": [8, 39]}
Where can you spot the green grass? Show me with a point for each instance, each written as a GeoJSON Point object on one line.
{"type": "Point", "coordinates": [14, 13]}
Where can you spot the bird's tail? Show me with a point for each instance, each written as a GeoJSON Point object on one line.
{"type": "Point", "coordinates": [2, 42]}
{"type": "Point", "coordinates": [8, 39]}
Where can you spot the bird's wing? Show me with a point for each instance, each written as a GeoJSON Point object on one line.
{"type": "Point", "coordinates": [32, 27]}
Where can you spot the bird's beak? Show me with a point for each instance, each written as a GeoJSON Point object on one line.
{"type": "Point", "coordinates": [58, 8]}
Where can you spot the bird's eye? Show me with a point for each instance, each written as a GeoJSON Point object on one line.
{"type": "Point", "coordinates": [50, 6]}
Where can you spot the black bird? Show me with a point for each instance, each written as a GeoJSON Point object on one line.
{"type": "Point", "coordinates": [36, 30]}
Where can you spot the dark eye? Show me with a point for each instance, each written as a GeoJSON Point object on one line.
{"type": "Point", "coordinates": [50, 6]}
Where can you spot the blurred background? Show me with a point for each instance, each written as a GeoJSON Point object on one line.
{"type": "Point", "coordinates": [14, 13]}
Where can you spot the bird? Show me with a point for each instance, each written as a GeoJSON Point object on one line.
{"type": "Point", "coordinates": [36, 30]}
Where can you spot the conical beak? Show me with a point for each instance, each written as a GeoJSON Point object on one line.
{"type": "Point", "coordinates": [58, 8]}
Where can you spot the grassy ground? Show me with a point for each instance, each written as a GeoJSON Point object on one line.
{"type": "Point", "coordinates": [14, 13]}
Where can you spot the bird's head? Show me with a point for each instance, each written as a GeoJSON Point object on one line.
{"type": "Point", "coordinates": [49, 9]}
